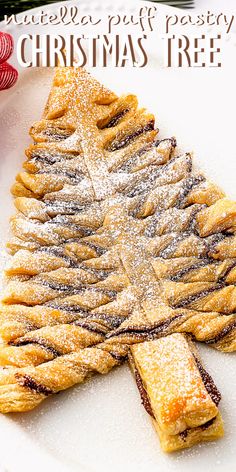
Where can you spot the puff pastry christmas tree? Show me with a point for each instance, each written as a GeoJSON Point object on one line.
{"type": "Point", "coordinates": [120, 249]}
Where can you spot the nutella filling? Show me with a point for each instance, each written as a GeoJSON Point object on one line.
{"type": "Point", "coordinates": [224, 276]}
{"type": "Point", "coordinates": [109, 320]}
{"type": "Point", "coordinates": [75, 176]}
{"type": "Point", "coordinates": [26, 381]}
{"type": "Point", "coordinates": [62, 220]}
{"type": "Point", "coordinates": [57, 134]}
{"type": "Point", "coordinates": [183, 435]}
{"type": "Point", "coordinates": [189, 184]}
{"type": "Point", "coordinates": [185, 270]}
{"type": "Point", "coordinates": [99, 250]}
{"type": "Point", "coordinates": [224, 332]}
{"type": "Point", "coordinates": [197, 296]}
{"type": "Point", "coordinates": [115, 120]}
{"type": "Point", "coordinates": [170, 249]}
{"type": "Point", "coordinates": [143, 394]}
{"type": "Point", "coordinates": [40, 342]}
{"type": "Point", "coordinates": [150, 231]}
{"type": "Point", "coordinates": [210, 386]}
{"type": "Point", "coordinates": [58, 252]}
{"type": "Point", "coordinates": [150, 179]}
{"type": "Point", "coordinates": [147, 405]}
{"type": "Point", "coordinates": [90, 327]}
{"type": "Point", "coordinates": [212, 242]}
{"type": "Point", "coordinates": [115, 145]}
{"type": "Point", "coordinates": [69, 308]}
{"type": "Point", "coordinates": [100, 273]}
{"type": "Point", "coordinates": [117, 357]}
{"type": "Point", "coordinates": [49, 158]}
{"type": "Point", "coordinates": [75, 289]}
{"type": "Point", "coordinates": [146, 332]}
{"type": "Point", "coordinates": [65, 207]}
{"type": "Point", "coordinates": [131, 161]}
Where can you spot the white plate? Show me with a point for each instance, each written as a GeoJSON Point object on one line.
{"type": "Point", "coordinates": [101, 425]}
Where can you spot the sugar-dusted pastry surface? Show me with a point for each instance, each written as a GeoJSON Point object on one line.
{"type": "Point", "coordinates": [177, 392]}
{"type": "Point", "coordinates": [174, 385]}
{"type": "Point", "coordinates": [117, 240]}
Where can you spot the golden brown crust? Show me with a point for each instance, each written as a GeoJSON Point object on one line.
{"type": "Point", "coordinates": [178, 397]}
{"type": "Point", "coordinates": [210, 432]}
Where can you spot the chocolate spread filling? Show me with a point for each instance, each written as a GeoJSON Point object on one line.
{"type": "Point", "coordinates": [115, 120]}
{"type": "Point", "coordinates": [150, 230]}
{"type": "Point", "coordinates": [40, 342]}
{"type": "Point", "coordinates": [63, 220]}
{"type": "Point", "coordinates": [27, 381]}
{"type": "Point", "coordinates": [100, 273]}
{"type": "Point", "coordinates": [192, 225]}
{"type": "Point", "coordinates": [140, 188]}
{"type": "Point", "coordinates": [172, 141]}
{"type": "Point", "coordinates": [189, 184]}
{"type": "Point", "coordinates": [223, 276]}
{"type": "Point", "coordinates": [150, 179]}
{"type": "Point", "coordinates": [181, 273]}
{"type": "Point", "coordinates": [46, 157]}
{"type": "Point", "coordinates": [113, 321]}
{"type": "Point", "coordinates": [57, 134]}
{"type": "Point", "coordinates": [69, 308]}
{"type": "Point", "coordinates": [61, 287]}
{"type": "Point", "coordinates": [139, 204]}
{"type": "Point", "coordinates": [210, 387]}
{"type": "Point", "coordinates": [146, 332]}
{"type": "Point", "coordinates": [169, 250]}
{"type": "Point", "coordinates": [131, 161]}
{"type": "Point", "coordinates": [207, 424]}
{"type": "Point", "coordinates": [212, 391]}
{"type": "Point", "coordinates": [117, 357]}
{"type": "Point", "coordinates": [213, 240]}
{"type": "Point", "coordinates": [143, 394]}
{"type": "Point", "coordinates": [197, 296]}
{"type": "Point", "coordinates": [183, 435]}
{"type": "Point", "coordinates": [75, 289]}
{"type": "Point", "coordinates": [65, 207]}
{"type": "Point", "coordinates": [75, 176]}
{"type": "Point", "coordinates": [108, 320]}
{"type": "Point", "coordinates": [115, 145]}
{"type": "Point", "coordinates": [208, 382]}
{"type": "Point", "coordinates": [224, 332]}
{"type": "Point", "coordinates": [58, 252]}
{"type": "Point", "coordinates": [99, 250]}
{"type": "Point", "coordinates": [90, 327]}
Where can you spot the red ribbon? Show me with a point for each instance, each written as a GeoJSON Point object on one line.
{"type": "Point", "coordinates": [8, 74]}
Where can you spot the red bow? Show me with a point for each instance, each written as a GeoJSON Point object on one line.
{"type": "Point", "coordinates": [8, 74]}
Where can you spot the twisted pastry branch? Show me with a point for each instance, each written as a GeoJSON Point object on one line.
{"type": "Point", "coordinates": [24, 389]}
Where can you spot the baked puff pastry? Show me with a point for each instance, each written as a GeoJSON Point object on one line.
{"type": "Point", "coordinates": [177, 392]}
{"type": "Point", "coordinates": [118, 243]}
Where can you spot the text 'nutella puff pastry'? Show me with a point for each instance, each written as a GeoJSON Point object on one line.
{"type": "Point", "coordinates": [119, 245]}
